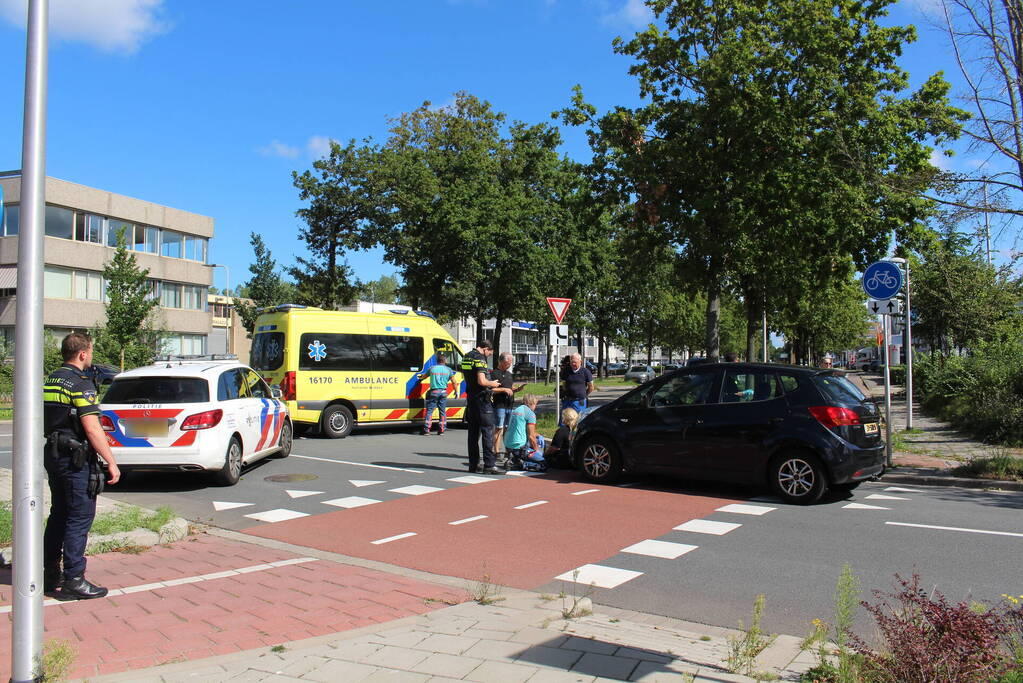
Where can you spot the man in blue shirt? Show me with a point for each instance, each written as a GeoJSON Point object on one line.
{"type": "Point", "coordinates": [522, 440]}
{"type": "Point", "coordinates": [577, 384]}
{"type": "Point", "coordinates": [437, 395]}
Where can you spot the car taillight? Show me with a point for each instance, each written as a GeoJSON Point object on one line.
{"type": "Point", "coordinates": [106, 423]}
{"type": "Point", "coordinates": [833, 416]}
{"type": "Point", "coordinates": [210, 418]}
{"type": "Point", "coordinates": [288, 386]}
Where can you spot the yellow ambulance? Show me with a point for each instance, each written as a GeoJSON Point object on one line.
{"type": "Point", "coordinates": [337, 369]}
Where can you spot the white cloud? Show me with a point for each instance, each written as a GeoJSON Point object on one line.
{"type": "Point", "coordinates": [276, 148]}
{"type": "Point", "coordinates": [940, 161]}
{"type": "Point", "coordinates": [110, 25]}
{"type": "Point", "coordinates": [318, 146]}
{"type": "Point", "coordinates": [634, 14]}
{"type": "Point", "coordinates": [929, 8]}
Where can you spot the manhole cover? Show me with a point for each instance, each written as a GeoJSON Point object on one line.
{"type": "Point", "coordinates": [286, 478]}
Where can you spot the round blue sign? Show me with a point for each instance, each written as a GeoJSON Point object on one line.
{"type": "Point", "coordinates": [882, 280]}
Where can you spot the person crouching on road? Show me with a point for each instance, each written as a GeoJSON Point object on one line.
{"type": "Point", "coordinates": [437, 395]}
{"type": "Point", "coordinates": [525, 446]}
{"type": "Point", "coordinates": [74, 437]}
{"type": "Point", "coordinates": [558, 452]}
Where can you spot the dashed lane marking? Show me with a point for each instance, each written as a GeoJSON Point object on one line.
{"type": "Point", "coordinates": [862, 506]}
{"type": "Point", "coordinates": [881, 496]}
{"type": "Point", "coordinates": [220, 505]}
{"type": "Point", "coordinates": [662, 549]}
{"type": "Point", "coordinates": [351, 502]}
{"type": "Point", "coordinates": [899, 489]}
{"type": "Point", "coordinates": [583, 493]}
{"type": "Point", "coordinates": [706, 526]}
{"type": "Point", "coordinates": [381, 541]}
{"type": "Point", "coordinates": [531, 505]}
{"type": "Point", "coordinates": [471, 479]}
{"type": "Point", "coordinates": [278, 515]}
{"type": "Point", "coordinates": [599, 576]}
{"type": "Point", "coordinates": [416, 490]}
{"type": "Point", "coordinates": [956, 528]}
{"type": "Point", "coordinates": [467, 520]}
{"type": "Point", "coordinates": [359, 483]}
{"type": "Point", "coordinates": [357, 464]}
{"type": "Point", "coordinates": [156, 585]}
{"type": "Point", "coordinates": [301, 494]}
{"type": "Point", "coordinates": [745, 509]}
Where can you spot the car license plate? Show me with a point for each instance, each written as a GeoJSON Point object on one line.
{"type": "Point", "coordinates": [870, 428]}
{"type": "Point", "coordinates": [146, 428]}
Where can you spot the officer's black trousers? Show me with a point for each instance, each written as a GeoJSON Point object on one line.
{"type": "Point", "coordinates": [71, 515]}
{"type": "Point", "coordinates": [480, 417]}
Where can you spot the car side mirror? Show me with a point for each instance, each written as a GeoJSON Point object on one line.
{"type": "Point", "coordinates": [276, 392]}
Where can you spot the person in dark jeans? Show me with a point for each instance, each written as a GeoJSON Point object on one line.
{"type": "Point", "coordinates": [479, 407]}
{"type": "Point", "coordinates": [578, 384]}
{"type": "Point", "coordinates": [504, 398]}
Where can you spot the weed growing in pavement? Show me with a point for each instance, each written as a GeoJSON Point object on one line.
{"type": "Point", "coordinates": [546, 597]}
{"type": "Point", "coordinates": [58, 658]}
{"type": "Point", "coordinates": [847, 670]}
{"type": "Point", "coordinates": [484, 591]}
{"type": "Point", "coordinates": [278, 648]}
{"type": "Point", "coordinates": [744, 649]}
{"type": "Point", "coordinates": [577, 609]}
{"type": "Point", "coordinates": [129, 518]}
{"type": "Point", "coordinates": [705, 638]}
{"type": "Point", "coordinates": [1000, 466]}
{"type": "Point", "coordinates": [101, 547]}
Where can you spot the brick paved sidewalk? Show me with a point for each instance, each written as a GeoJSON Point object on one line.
{"type": "Point", "coordinates": [207, 596]}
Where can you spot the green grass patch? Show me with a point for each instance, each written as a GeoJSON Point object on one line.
{"type": "Point", "coordinates": [1004, 467]}
{"type": "Point", "coordinates": [6, 413]}
{"type": "Point", "coordinates": [535, 388]}
{"type": "Point", "coordinates": [547, 424]}
{"type": "Point", "coordinates": [129, 517]}
{"type": "Point", "coordinates": [6, 524]}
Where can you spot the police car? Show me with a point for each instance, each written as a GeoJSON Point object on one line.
{"type": "Point", "coordinates": [194, 414]}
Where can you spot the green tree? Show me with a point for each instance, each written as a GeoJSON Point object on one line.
{"type": "Point", "coordinates": [129, 328]}
{"type": "Point", "coordinates": [385, 289]}
{"type": "Point", "coordinates": [264, 288]}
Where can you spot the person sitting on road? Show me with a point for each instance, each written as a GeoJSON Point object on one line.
{"type": "Point", "coordinates": [558, 452]}
{"type": "Point", "coordinates": [525, 446]}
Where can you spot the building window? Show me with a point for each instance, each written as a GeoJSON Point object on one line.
{"type": "Point", "coordinates": [147, 239]}
{"type": "Point", "coordinates": [12, 216]}
{"type": "Point", "coordinates": [88, 228]}
{"type": "Point", "coordinates": [185, 344]}
{"type": "Point", "coordinates": [170, 243]}
{"type": "Point", "coordinates": [115, 227]}
{"type": "Point", "coordinates": [170, 295]}
{"type": "Point", "coordinates": [57, 283]}
{"type": "Point", "coordinates": [59, 222]}
{"type": "Point", "coordinates": [194, 299]}
{"type": "Point", "coordinates": [88, 286]}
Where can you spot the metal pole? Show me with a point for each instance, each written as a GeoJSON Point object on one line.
{"type": "Point", "coordinates": [763, 350]}
{"type": "Point", "coordinates": [887, 394]}
{"type": "Point", "coordinates": [557, 384]}
{"type": "Point", "coordinates": [907, 342]}
{"type": "Point", "coordinates": [27, 459]}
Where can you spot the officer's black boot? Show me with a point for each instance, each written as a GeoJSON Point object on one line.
{"type": "Point", "coordinates": [80, 589]}
{"type": "Point", "coordinates": [52, 577]}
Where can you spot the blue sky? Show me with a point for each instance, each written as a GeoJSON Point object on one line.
{"type": "Point", "coordinates": [208, 106]}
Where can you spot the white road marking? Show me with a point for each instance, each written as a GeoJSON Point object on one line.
{"type": "Point", "coordinates": [170, 583]}
{"type": "Point", "coordinates": [416, 490]}
{"type": "Point", "coordinates": [219, 505]}
{"type": "Point", "coordinates": [862, 506]}
{"type": "Point", "coordinates": [898, 489]}
{"type": "Point", "coordinates": [664, 549]}
{"type": "Point", "coordinates": [301, 494]}
{"type": "Point", "coordinates": [359, 483]}
{"type": "Point", "coordinates": [350, 502]}
{"type": "Point", "coordinates": [530, 505]}
{"type": "Point", "coordinates": [519, 473]}
{"type": "Point", "coordinates": [393, 538]}
{"type": "Point", "coordinates": [472, 479]}
{"type": "Point", "coordinates": [956, 528]}
{"type": "Point", "coordinates": [278, 515]}
{"type": "Point", "coordinates": [745, 509]}
{"type": "Point", "coordinates": [357, 464]}
{"type": "Point", "coordinates": [706, 526]}
{"type": "Point", "coordinates": [583, 493]}
{"type": "Point", "coordinates": [599, 576]}
{"type": "Point", "coordinates": [467, 520]}
{"type": "Point", "coordinates": [881, 496]}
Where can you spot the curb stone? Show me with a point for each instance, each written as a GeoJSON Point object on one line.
{"type": "Point", "coordinates": [935, 478]}
{"type": "Point", "coordinates": [174, 530]}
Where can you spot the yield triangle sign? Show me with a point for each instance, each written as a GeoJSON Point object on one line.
{"type": "Point", "coordinates": [559, 307]}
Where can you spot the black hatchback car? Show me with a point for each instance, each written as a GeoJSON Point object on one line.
{"type": "Point", "coordinates": [801, 431]}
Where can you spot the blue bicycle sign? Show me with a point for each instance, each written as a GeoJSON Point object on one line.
{"type": "Point", "coordinates": [882, 280]}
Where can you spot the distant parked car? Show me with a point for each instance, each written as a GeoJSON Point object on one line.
{"type": "Point", "coordinates": [640, 374]}
{"type": "Point", "coordinates": [524, 367]}
{"type": "Point", "coordinates": [616, 368]}
{"type": "Point", "coordinates": [669, 367]}
{"type": "Point", "coordinates": [695, 360]}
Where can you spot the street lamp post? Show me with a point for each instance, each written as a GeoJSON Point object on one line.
{"type": "Point", "coordinates": [227, 274]}
{"type": "Point", "coordinates": [230, 307]}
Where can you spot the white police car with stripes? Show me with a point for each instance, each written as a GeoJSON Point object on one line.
{"type": "Point", "coordinates": [194, 413]}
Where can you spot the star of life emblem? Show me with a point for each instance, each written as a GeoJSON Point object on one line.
{"type": "Point", "coordinates": [317, 351]}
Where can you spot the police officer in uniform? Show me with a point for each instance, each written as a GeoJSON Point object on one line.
{"type": "Point", "coordinates": [73, 439]}
{"type": "Point", "coordinates": [479, 409]}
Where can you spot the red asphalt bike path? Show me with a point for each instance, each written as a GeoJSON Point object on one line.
{"type": "Point", "coordinates": [263, 605]}
{"type": "Point", "coordinates": [521, 548]}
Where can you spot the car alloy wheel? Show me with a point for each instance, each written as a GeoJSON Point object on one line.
{"type": "Point", "coordinates": [337, 422]}
{"type": "Point", "coordinates": [285, 440]}
{"type": "Point", "coordinates": [600, 461]}
{"type": "Point", "coordinates": [232, 470]}
{"type": "Point", "coordinates": [798, 478]}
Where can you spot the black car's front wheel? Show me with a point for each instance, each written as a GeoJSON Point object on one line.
{"type": "Point", "coordinates": [600, 461]}
{"type": "Point", "coordinates": [798, 477]}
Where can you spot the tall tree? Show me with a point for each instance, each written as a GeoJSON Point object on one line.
{"type": "Point", "coordinates": [130, 302]}
{"type": "Point", "coordinates": [265, 287]}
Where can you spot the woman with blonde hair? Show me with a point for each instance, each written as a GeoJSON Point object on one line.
{"type": "Point", "coordinates": [559, 452]}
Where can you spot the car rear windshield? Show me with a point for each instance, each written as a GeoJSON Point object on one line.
{"type": "Point", "coordinates": [839, 389]}
{"type": "Point", "coordinates": [152, 390]}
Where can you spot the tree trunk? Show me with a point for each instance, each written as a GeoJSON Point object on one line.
{"type": "Point", "coordinates": [650, 342]}
{"type": "Point", "coordinates": [714, 318]}
{"type": "Point", "coordinates": [122, 359]}
{"type": "Point", "coordinates": [479, 327]}
{"type": "Point", "coordinates": [331, 277]}
{"type": "Point", "coordinates": [601, 357]}
{"type": "Point", "coordinates": [753, 311]}
{"type": "Point", "coordinates": [498, 329]}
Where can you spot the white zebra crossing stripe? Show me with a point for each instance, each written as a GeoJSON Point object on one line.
{"type": "Point", "coordinates": [219, 505]}
{"type": "Point", "coordinates": [278, 515]}
{"type": "Point", "coordinates": [350, 502]}
{"type": "Point", "coordinates": [359, 483]}
{"type": "Point", "coordinates": [746, 509]}
{"type": "Point", "coordinates": [416, 490]}
{"type": "Point", "coordinates": [881, 496]}
{"type": "Point", "coordinates": [663, 549]}
{"type": "Point", "coordinates": [706, 526]}
{"type": "Point", "coordinates": [862, 506]}
{"type": "Point", "coordinates": [599, 576]}
{"type": "Point", "coordinates": [301, 494]}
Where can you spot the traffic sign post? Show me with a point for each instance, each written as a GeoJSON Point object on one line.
{"type": "Point", "coordinates": [559, 307]}
{"type": "Point", "coordinates": [884, 307]}
{"type": "Point", "coordinates": [882, 280]}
